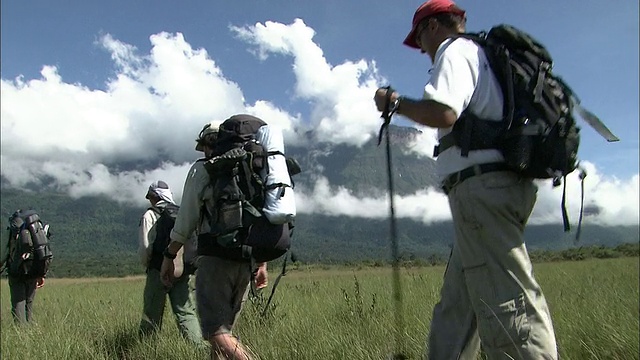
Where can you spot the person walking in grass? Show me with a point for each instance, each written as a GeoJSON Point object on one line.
{"type": "Point", "coordinates": [222, 283]}
{"type": "Point", "coordinates": [153, 235]}
{"type": "Point", "coordinates": [489, 295]}
{"type": "Point", "coordinates": [25, 272]}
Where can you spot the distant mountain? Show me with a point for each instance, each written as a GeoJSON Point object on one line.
{"type": "Point", "coordinates": [97, 236]}
{"type": "Point", "coordinates": [363, 169]}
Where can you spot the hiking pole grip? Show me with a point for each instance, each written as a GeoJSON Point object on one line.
{"type": "Point", "coordinates": [386, 113]}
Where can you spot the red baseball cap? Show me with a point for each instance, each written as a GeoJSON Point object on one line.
{"type": "Point", "coordinates": [429, 8]}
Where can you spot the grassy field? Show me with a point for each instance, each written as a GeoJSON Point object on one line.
{"type": "Point", "coordinates": [335, 313]}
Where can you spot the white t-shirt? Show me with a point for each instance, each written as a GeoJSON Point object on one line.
{"type": "Point", "coordinates": [461, 78]}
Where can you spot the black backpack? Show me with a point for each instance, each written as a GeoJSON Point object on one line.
{"type": "Point", "coordinates": [164, 225]}
{"type": "Point", "coordinates": [239, 229]}
{"type": "Point", "coordinates": [538, 136]}
{"type": "Point", "coordinates": [30, 254]}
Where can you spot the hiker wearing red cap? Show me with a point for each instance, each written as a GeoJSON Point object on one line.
{"type": "Point", "coordinates": [489, 295]}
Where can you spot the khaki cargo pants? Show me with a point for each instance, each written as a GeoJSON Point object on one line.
{"type": "Point", "coordinates": [489, 293]}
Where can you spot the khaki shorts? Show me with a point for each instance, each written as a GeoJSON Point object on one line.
{"type": "Point", "coordinates": [221, 289]}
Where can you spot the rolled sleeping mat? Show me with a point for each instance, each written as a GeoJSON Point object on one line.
{"type": "Point", "coordinates": [280, 203]}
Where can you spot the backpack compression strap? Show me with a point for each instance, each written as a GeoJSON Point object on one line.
{"type": "Point", "coordinates": [269, 153]}
{"type": "Point", "coordinates": [565, 216]}
{"type": "Point", "coordinates": [278, 185]}
{"type": "Point", "coordinates": [290, 166]}
{"type": "Point", "coordinates": [583, 174]}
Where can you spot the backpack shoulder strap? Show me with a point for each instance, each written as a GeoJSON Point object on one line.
{"type": "Point", "coordinates": [171, 209]}
{"type": "Point", "coordinates": [461, 134]}
{"type": "Point", "coordinates": [480, 37]}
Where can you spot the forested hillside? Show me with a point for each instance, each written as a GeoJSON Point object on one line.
{"type": "Point", "coordinates": [96, 236]}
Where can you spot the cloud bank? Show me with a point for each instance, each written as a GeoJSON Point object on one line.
{"type": "Point", "coordinates": [142, 127]}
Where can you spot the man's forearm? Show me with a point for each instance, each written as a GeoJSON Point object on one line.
{"type": "Point", "coordinates": [174, 247]}
{"type": "Point", "coordinates": [426, 112]}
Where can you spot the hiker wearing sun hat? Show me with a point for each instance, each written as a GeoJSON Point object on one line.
{"type": "Point", "coordinates": [153, 235]}
{"type": "Point", "coordinates": [489, 295]}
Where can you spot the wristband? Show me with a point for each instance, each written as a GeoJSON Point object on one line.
{"type": "Point", "coordinates": [168, 255]}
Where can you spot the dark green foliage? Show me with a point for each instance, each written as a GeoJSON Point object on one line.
{"type": "Point", "coordinates": [586, 252]}
{"type": "Point", "coordinates": [91, 236]}
{"type": "Point", "coordinates": [97, 237]}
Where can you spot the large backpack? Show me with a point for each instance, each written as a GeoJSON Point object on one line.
{"type": "Point", "coordinates": [253, 201]}
{"type": "Point", "coordinates": [30, 254]}
{"type": "Point", "coordinates": [538, 136]}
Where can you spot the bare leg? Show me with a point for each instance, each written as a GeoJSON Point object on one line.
{"type": "Point", "coordinates": [227, 346]}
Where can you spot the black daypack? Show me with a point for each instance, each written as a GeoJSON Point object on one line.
{"type": "Point", "coordinates": [163, 225]}
{"type": "Point", "coordinates": [239, 229]}
{"type": "Point", "coordinates": [538, 136]}
{"type": "Point", "coordinates": [30, 255]}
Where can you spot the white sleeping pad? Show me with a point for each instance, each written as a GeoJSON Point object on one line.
{"type": "Point", "coordinates": [280, 202]}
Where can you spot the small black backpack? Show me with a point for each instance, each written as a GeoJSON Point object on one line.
{"type": "Point", "coordinates": [30, 253]}
{"type": "Point", "coordinates": [163, 226]}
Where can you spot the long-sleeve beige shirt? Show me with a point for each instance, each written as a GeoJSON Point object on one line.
{"type": "Point", "coordinates": [147, 234]}
{"type": "Point", "coordinates": [195, 194]}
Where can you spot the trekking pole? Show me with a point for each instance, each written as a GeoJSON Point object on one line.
{"type": "Point", "coordinates": [397, 290]}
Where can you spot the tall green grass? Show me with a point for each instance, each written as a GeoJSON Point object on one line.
{"type": "Point", "coordinates": [336, 313]}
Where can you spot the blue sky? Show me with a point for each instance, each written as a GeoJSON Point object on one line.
{"type": "Point", "coordinates": [104, 66]}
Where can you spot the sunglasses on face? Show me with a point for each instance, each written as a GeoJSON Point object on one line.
{"type": "Point", "coordinates": [203, 130]}
{"type": "Point", "coordinates": [421, 28]}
